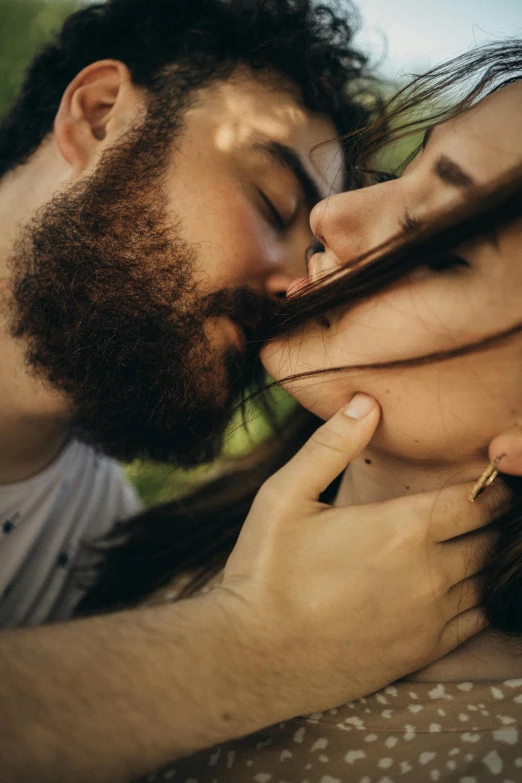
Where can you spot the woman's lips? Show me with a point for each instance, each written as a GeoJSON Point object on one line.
{"type": "Point", "coordinates": [297, 285]}
{"type": "Point", "coordinates": [301, 282]}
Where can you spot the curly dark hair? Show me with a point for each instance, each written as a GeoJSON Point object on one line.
{"type": "Point", "coordinates": [172, 47]}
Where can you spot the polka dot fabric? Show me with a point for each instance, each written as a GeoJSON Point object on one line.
{"type": "Point", "coordinates": [461, 732]}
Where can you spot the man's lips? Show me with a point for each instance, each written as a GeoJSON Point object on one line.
{"type": "Point", "coordinates": [239, 336]}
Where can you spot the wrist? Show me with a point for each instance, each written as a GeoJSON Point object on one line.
{"type": "Point", "coordinates": [257, 653]}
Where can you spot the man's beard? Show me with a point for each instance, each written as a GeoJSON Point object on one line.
{"type": "Point", "coordinates": [106, 301]}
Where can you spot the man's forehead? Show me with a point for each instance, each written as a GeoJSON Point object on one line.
{"type": "Point", "coordinates": [235, 115]}
{"type": "Point", "coordinates": [247, 104]}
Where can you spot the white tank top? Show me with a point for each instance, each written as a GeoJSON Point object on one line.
{"type": "Point", "coordinates": [44, 520]}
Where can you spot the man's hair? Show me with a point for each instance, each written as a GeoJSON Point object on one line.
{"type": "Point", "coordinates": [172, 47]}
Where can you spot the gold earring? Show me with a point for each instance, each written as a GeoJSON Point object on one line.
{"type": "Point", "coordinates": [486, 479]}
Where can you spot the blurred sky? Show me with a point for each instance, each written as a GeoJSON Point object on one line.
{"type": "Point", "coordinates": [421, 33]}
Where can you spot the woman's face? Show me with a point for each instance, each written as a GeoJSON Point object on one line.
{"type": "Point", "coordinates": [444, 411]}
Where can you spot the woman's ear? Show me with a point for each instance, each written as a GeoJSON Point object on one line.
{"type": "Point", "coordinates": [98, 106]}
{"type": "Point", "coordinates": [508, 443]}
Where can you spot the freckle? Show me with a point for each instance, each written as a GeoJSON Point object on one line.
{"type": "Point", "coordinates": [368, 461]}
{"type": "Point", "coordinates": [387, 391]}
{"type": "Point", "coordinates": [416, 441]}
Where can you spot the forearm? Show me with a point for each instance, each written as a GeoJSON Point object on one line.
{"type": "Point", "coordinates": [109, 698]}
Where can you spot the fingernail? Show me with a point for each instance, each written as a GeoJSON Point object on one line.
{"type": "Point", "coordinates": [360, 406]}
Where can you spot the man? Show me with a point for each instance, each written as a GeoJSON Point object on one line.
{"type": "Point", "coordinates": [150, 204]}
{"type": "Point", "coordinates": [157, 173]}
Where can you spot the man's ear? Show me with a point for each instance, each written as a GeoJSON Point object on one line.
{"type": "Point", "coordinates": [97, 106]}
{"type": "Point", "coordinates": [508, 443]}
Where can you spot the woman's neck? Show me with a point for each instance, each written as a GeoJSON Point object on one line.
{"type": "Point", "coordinates": [375, 477]}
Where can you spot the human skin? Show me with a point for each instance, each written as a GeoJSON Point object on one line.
{"type": "Point", "coordinates": [441, 421]}
{"type": "Point", "coordinates": [429, 412]}
{"type": "Point", "coordinates": [108, 698]}
{"type": "Point", "coordinates": [243, 212]}
{"type": "Point", "coordinates": [104, 699]}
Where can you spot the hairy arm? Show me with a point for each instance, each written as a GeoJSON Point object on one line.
{"type": "Point", "coordinates": [318, 606]}
{"type": "Point", "coordinates": [109, 698]}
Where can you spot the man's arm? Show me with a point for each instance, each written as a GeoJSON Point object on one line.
{"type": "Point", "coordinates": [109, 698]}
{"type": "Point", "coordinates": [318, 606]}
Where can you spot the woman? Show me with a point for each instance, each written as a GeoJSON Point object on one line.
{"type": "Point", "coordinates": [413, 299]}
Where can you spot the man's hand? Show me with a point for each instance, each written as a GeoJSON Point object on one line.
{"type": "Point", "coordinates": [319, 605]}
{"type": "Point", "coordinates": [342, 601]}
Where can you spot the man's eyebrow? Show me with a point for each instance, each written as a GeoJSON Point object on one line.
{"type": "Point", "coordinates": [288, 159]}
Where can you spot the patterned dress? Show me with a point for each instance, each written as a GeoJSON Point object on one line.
{"type": "Point", "coordinates": [410, 732]}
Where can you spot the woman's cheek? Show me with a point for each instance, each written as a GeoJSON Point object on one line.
{"type": "Point", "coordinates": [438, 413]}
{"type": "Point", "coordinates": [322, 399]}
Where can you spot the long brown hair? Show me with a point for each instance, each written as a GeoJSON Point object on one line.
{"type": "Point", "coordinates": [195, 534]}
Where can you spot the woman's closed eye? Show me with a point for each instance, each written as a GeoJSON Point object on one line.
{"type": "Point", "coordinates": [449, 262]}
{"type": "Point", "coordinates": [446, 263]}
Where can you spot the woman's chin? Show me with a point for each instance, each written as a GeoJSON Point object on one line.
{"type": "Point", "coordinates": [274, 359]}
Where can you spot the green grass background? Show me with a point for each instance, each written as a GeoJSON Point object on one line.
{"type": "Point", "coordinates": [24, 26]}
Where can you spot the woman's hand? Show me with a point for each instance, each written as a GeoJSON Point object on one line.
{"type": "Point", "coordinates": [334, 603]}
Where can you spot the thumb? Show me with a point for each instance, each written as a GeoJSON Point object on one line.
{"type": "Point", "coordinates": [330, 449]}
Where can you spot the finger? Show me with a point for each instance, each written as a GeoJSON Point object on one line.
{"type": "Point", "coordinates": [467, 556]}
{"type": "Point", "coordinates": [509, 443]}
{"type": "Point", "coordinates": [453, 515]}
{"type": "Point", "coordinates": [330, 449]}
{"type": "Point", "coordinates": [463, 596]}
{"type": "Point", "coordinates": [460, 629]}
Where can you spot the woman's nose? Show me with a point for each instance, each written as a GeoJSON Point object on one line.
{"type": "Point", "coordinates": [352, 223]}
{"type": "Point", "coordinates": [316, 216]}
{"type": "Point", "coordinates": [339, 225]}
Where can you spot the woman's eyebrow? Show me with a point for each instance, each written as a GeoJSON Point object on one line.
{"type": "Point", "coordinates": [452, 173]}
{"type": "Point", "coordinates": [446, 169]}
